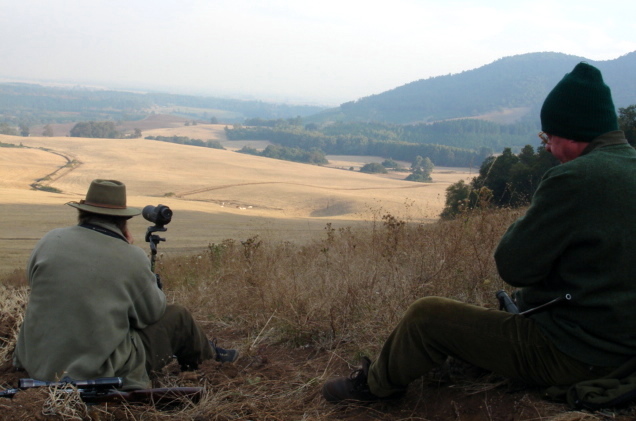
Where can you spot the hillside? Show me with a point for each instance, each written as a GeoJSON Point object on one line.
{"type": "Point", "coordinates": [507, 90]}
{"type": "Point", "coordinates": [215, 194]}
{"type": "Point", "coordinates": [35, 104]}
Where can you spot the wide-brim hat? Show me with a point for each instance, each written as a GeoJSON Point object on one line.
{"type": "Point", "coordinates": [106, 197]}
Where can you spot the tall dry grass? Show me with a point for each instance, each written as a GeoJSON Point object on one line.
{"type": "Point", "coordinates": [333, 299]}
{"type": "Point", "coordinates": [351, 284]}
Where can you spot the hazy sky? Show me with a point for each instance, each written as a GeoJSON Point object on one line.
{"type": "Point", "coordinates": [324, 51]}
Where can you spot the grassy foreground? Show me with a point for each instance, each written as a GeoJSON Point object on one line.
{"type": "Point", "coordinates": [301, 314]}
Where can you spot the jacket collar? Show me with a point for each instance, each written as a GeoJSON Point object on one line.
{"type": "Point", "coordinates": [616, 137]}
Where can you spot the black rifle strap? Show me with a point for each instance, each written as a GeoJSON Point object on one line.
{"type": "Point", "coordinates": [103, 231]}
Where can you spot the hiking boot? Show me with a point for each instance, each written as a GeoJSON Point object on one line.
{"type": "Point", "coordinates": [224, 355]}
{"type": "Point", "coordinates": [352, 388]}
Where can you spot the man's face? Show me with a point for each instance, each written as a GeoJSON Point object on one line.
{"type": "Point", "coordinates": [564, 149]}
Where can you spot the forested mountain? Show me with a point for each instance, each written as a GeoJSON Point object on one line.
{"type": "Point", "coordinates": [518, 83]}
{"type": "Point", "coordinates": [36, 104]}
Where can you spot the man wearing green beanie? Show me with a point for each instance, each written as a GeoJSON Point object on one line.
{"type": "Point", "coordinates": [571, 256]}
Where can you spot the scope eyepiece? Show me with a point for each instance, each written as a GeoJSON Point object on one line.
{"type": "Point", "coordinates": [161, 215]}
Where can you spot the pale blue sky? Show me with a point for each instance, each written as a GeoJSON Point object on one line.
{"type": "Point", "coordinates": [325, 52]}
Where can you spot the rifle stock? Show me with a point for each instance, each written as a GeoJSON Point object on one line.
{"type": "Point", "coordinates": [105, 390]}
{"type": "Point", "coordinates": [156, 396]}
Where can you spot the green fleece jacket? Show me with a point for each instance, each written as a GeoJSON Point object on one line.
{"type": "Point", "coordinates": [578, 237]}
{"type": "Point", "coordinates": [90, 292]}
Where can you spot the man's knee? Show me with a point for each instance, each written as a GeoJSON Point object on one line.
{"type": "Point", "coordinates": [176, 311]}
{"type": "Point", "coordinates": [429, 309]}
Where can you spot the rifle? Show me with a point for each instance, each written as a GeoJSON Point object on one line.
{"type": "Point", "coordinates": [506, 303]}
{"type": "Point", "coordinates": [105, 390]}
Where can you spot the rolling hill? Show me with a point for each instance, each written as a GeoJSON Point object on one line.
{"type": "Point", "coordinates": [509, 89]}
{"type": "Point", "coordinates": [215, 194]}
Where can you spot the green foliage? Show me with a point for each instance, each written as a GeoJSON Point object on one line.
{"type": "Point", "coordinates": [10, 145]}
{"type": "Point", "coordinates": [422, 168]}
{"type": "Point", "coordinates": [279, 123]}
{"type": "Point", "coordinates": [348, 144]}
{"type": "Point", "coordinates": [461, 197]}
{"type": "Point", "coordinates": [422, 164]}
{"type": "Point", "coordinates": [504, 180]}
{"type": "Point", "coordinates": [627, 123]}
{"type": "Point", "coordinates": [45, 104]}
{"type": "Point", "coordinates": [420, 176]}
{"type": "Point", "coordinates": [390, 163]}
{"type": "Point", "coordinates": [48, 131]}
{"type": "Point", "coordinates": [8, 130]}
{"type": "Point", "coordinates": [373, 168]}
{"type": "Point", "coordinates": [24, 129]}
{"type": "Point", "coordinates": [313, 156]}
{"type": "Point", "coordinates": [95, 129]}
{"type": "Point", "coordinates": [185, 140]}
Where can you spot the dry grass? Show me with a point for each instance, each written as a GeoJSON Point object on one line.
{"type": "Point", "coordinates": [302, 313]}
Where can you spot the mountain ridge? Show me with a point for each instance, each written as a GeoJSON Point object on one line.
{"type": "Point", "coordinates": [513, 82]}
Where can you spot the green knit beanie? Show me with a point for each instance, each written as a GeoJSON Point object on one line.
{"type": "Point", "coordinates": [580, 106]}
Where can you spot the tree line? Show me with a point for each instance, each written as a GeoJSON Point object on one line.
{"type": "Point", "coordinates": [511, 180]}
{"type": "Point", "coordinates": [184, 140]}
{"type": "Point", "coordinates": [312, 156]}
{"type": "Point", "coordinates": [356, 144]}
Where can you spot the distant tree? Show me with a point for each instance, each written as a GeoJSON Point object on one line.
{"type": "Point", "coordinates": [48, 131]}
{"type": "Point", "coordinates": [214, 120]}
{"type": "Point", "coordinates": [24, 129]}
{"type": "Point", "coordinates": [95, 129]}
{"type": "Point", "coordinates": [6, 129]}
{"type": "Point", "coordinates": [461, 197]}
{"type": "Point", "coordinates": [422, 168]}
{"type": "Point", "coordinates": [249, 150]}
{"type": "Point", "coordinates": [137, 134]}
{"type": "Point", "coordinates": [495, 174]}
{"type": "Point", "coordinates": [419, 175]}
{"type": "Point", "coordinates": [424, 164]}
{"type": "Point", "coordinates": [457, 199]}
{"type": "Point", "coordinates": [390, 163]}
{"type": "Point", "coordinates": [214, 144]}
{"type": "Point", "coordinates": [373, 167]}
{"type": "Point", "coordinates": [417, 162]}
{"type": "Point", "coordinates": [504, 180]}
{"type": "Point", "coordinates": [627, 123]}
{"type": "Point", "coordinates": [296, 121]}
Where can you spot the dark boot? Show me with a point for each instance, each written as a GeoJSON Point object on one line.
{"type": "Point", "coordinates": [223, 355]}
{"type": "Point", "coordinates": [352, 388]}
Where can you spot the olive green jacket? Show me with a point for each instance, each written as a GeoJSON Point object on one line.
{"type": "Point", "coordinates": [578, 237]}
{"type": "Point", "coordinates": [90, 292]}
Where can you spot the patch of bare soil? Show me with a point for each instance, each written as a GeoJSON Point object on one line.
{"type": "Point", "coordinates": [277, 382]}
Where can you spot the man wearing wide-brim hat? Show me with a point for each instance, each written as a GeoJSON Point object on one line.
{"type": "Point", "coordinates": [95, 309]}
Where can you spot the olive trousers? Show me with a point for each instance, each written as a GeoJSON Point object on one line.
{"type": "Point", "coordinates": [175, 334]}
{"type": "Point", "coordinates": [434, 328]}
